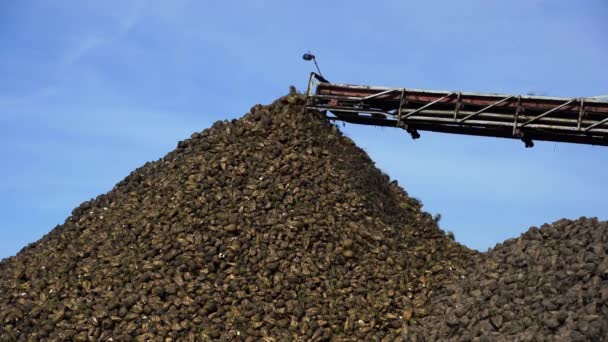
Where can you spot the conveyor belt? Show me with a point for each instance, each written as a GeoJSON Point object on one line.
{"type": "Point", "coordinates": [525, 117]}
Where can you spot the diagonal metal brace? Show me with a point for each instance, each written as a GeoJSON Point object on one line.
{"type": "Point", "coordinates": [596, 124]}
{"type": "Point", "coordinates": [485, 108]}
{"type": "Point", "coordinates": [428, 105]}
{"type": "Point", "coordinates": [379, 94]}
{"type": "Point", "coordinates": [547, 112]}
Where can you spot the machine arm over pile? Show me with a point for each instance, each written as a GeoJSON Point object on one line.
{"type": "Point", "coordinates": [525, 117]}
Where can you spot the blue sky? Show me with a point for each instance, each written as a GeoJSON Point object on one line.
{"type": "Point", "coordinates": [93, 89]}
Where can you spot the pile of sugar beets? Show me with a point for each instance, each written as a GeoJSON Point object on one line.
{"type": "Point", "coordinates": [276, 227]}
{"type": "Point", "coordinates": [551, 284]}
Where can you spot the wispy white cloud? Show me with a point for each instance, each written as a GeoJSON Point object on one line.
{"type": "Point", "coordinates": [84, 44]}
{"type": "Point", "coordinates": [119, 27]}
{"type": "Point", "coordinates": [107, 26]}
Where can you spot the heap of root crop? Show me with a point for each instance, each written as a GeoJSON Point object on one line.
{"type": "Point", "coordinates": [272, 226]}
{"type": "Point", "coordinates": [551, 284]}
{"type": "Point", "coordinates": [276, 227]}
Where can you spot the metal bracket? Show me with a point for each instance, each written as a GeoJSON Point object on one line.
{"type": "Point", "coordinates": [581, 112]}
{"type": "Point", "coordinates": [518, 110]}
{"type": "Point", "coordinates": [457, 108]}
{"type": "Point", "coordinates": [528, 143]}
{"type": "Point", "coordinates": [400, 107]}
{"type": "Point", "coordinates": [309, 89]}
{"type": "Point", "coordinates": [413, 132]}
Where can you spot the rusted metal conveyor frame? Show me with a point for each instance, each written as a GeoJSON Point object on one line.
{"type": "Point", "coordinates": [525, 117]}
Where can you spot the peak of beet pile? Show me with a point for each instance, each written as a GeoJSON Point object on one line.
{"type": "Point", "coordinates": [273, 226]}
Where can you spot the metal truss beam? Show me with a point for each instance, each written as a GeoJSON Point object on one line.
{"type": "Point", "coordinates": [525, 117]}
